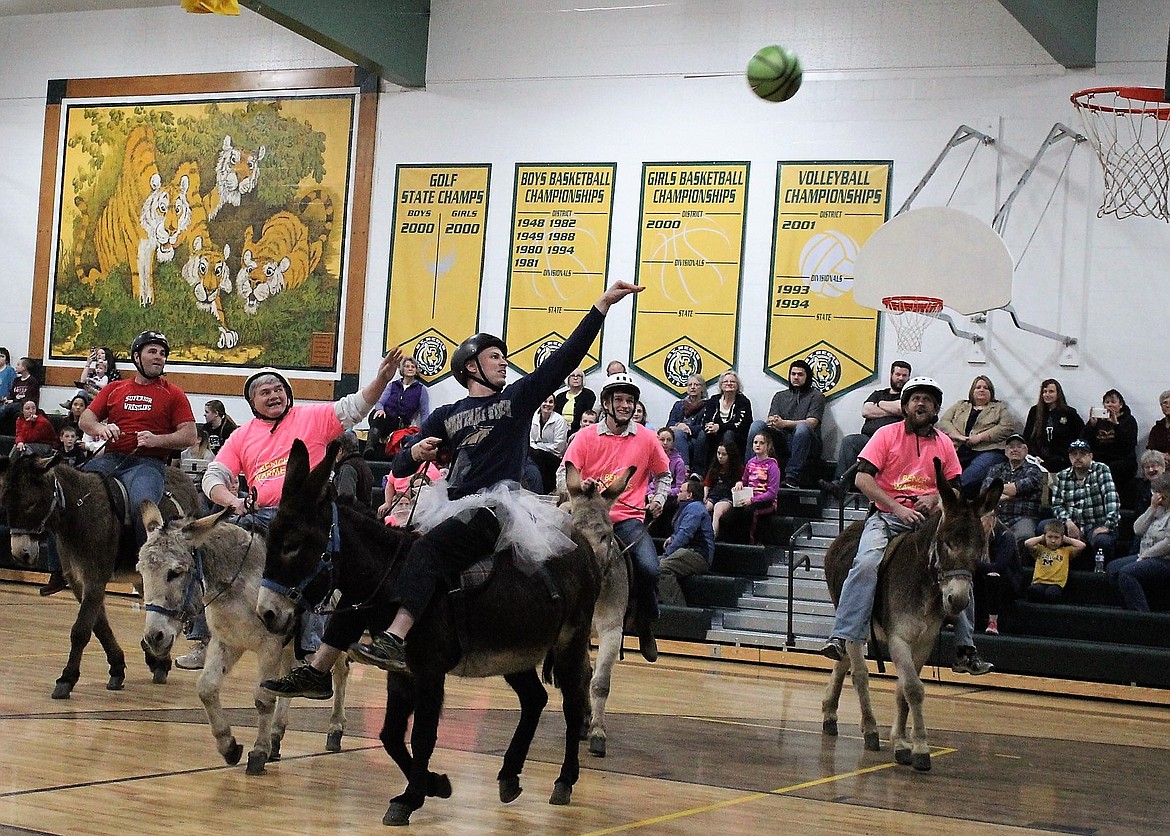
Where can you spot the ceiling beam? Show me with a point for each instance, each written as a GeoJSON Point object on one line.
{"type": "Point", "coordinates": [1067, 29]}
{"type": "Point", "coordinates": [386, 37]}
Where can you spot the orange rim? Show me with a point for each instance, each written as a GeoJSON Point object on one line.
{"type": "Point", "coordinates": [912, 304]}
{"type": "Point", "coordinates": [1150, 101]}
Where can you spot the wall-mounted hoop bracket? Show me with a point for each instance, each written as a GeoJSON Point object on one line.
{"type": "Point", "coordinates": [961, 135]}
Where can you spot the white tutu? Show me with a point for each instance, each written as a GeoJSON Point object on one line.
{"type": "Point", "coordinates": [534, 528]}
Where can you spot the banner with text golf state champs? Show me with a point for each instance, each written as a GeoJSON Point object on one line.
{"type": "Point", "coordinates": [562, 217]}
{"type": "Point", "coordinates": [825, 212]}
{"type": "Point", "coordinates": [690, 260]}
{"type": "Point", "coordinates": [436, 261]}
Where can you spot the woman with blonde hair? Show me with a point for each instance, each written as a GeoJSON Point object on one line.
{"type": "Point", "coordinates": [978, 426]}
{"type": "Point", "coordinates": [727, 415]}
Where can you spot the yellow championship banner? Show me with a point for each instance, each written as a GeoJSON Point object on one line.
{"type": "Point", "coordinates": [690, 260]}
{"type": "Point", "coordinates": [825, 212]}
{"type": "Point", "coordinates": [561, 222]}
{"type": "Point", "coordinates": [436, 261]}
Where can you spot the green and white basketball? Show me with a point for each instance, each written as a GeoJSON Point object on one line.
{"type": "Point", "coordinates": [774, 73]}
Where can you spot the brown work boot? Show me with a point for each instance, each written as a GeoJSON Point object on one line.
{"type": "Point", "coordinates": [647, 646]}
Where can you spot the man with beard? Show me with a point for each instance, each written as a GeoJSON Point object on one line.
{"type": "Point", "coordinates": [794, 423]}
{"type": "Point", "coordinates": [601, 453]}
{"type": "Point", "coordinates": [883, 406]}
{"type": "Point", "coordinates": [896, 472]}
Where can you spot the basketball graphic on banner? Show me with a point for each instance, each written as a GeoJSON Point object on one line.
{"type": "Point", "coordinates": [826, 262]}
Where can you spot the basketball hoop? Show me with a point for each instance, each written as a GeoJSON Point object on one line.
{"type": "Point", "coordinates": [1128, 128]}
{"type": "Point", "coordinates": [911, 316]}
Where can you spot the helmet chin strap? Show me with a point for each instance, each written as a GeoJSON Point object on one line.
{"type": "Point", "coordinates": [482, 379]}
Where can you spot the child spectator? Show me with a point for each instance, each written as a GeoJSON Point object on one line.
{"type": "Point", "coordinates": [24, 388]}
{"type": "Point", "coordinates": [661, 525]}
{"type": "Point", "coordinates": [7, 374]}
{"type": "Point", "coordinates": [72, 452]}
{"type": "Point", "coordinates": [761, 475]}
{"type": "Point", "coordinates": [691, 546]}
{"type": "Point", "coordinates": [201, 450]}
{"type": "Point", "coordinates": [997, 577]}
{"type": "Point", "coordinates": [34, 432]}
{"type": "Point", "coordinates": [1053, 551]}
{"type": "Point", "coordinates": [723, 473]}
{"type": "Point", "coordinates": [400, 494]}
{"type": "Point", "coordinates": [640, 415]}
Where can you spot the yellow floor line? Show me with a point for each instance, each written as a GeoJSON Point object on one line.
{"type": "Point", "coordinates": [731, 802]}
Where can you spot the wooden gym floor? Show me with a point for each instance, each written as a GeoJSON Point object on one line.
{"type": "Point", "coordinates": [696, 746]}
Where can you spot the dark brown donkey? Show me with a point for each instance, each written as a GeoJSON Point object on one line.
{"type": "Point", "coordinates": [44, 495]}
{"type": "Point", "coordinates": [925, 578]}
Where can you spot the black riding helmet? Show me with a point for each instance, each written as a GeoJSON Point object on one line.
{"type": "Point", "coordinates": [142, 341]}
{"type": "Point", "coordinates": [253, 379]}
{"type": "Point", "coordinates": [469, 350]}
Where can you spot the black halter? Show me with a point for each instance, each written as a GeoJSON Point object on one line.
{"type": "Point", "coordinates": [195, 586]}
{"type": "Point", "coordinates": [325, 564]}
{"type": "Point", "coordinates": [58, 502]}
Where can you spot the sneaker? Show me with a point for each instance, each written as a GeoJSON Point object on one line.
{"type": "Point", "coordinates": [647, 646]}
{"type": "Point", "coordinates": [56, 583]}
{"type": "Point", "coordinates": [790, 483]}
{"type": "Point", "coordinates": [193, 661]}
{"type": "Point", "coordinates": [835, 649]}
{"type": "Point", "coordinates": [385, 651]}
{"type": "Point", "coordinates": [304, 681]}
{"type": "Point", "coordinates": [970, 662]}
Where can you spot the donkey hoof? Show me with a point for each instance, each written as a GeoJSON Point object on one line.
{"type": "Point", "coordinates": [438, 786]}
{"type": "Point", "coordinates": [922, 762]}
{"type": "Point", "coordinates": [333, 741]}
{"type": "Point", "coordinates": [234, 753]}
{"type": "Point", "coordinates": [397, 815]}
{"type": "Point", "coordinates": [274, 749]}
{"type": "Point", "coordinates": [160, 676]}
{"type": "Point", "coordinates": [829, 727]}
{"type": "Point", "coordinates": [872, 742]}
{"type": "Point", "coordinates": [597, 746]}
{"type": "Point", "coordinates": [562, 793]}
{"type": "Point", "coordinates": [510, 789]}
{"type": "Point", "coordinates": [903, 757]}
{"type": "Point", "coordinates": [116, 683]}
{"type": "Point", "coordinates": [63, 690]}
{"type": "Point", "coordinates": [256, 761]}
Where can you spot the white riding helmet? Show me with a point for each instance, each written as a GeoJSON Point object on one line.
{"type": "Point", "coordinates": [927, 384]}
{"type": "Point", "coordinates": [620, 382]}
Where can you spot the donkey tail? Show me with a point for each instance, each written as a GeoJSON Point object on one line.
{"type": "Point", "coordinates": [548, 674]}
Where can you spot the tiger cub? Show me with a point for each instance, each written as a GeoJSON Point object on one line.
{"type": "Point", "coordinates": [141, 222]}
{"type": "Point", "coordinates": [236, 173]}
{"type": "Point", "coordinates": [283, 256]}
{"type": "Point", "coordinates": [206, 269]}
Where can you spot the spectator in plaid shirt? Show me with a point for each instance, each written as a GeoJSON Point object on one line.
{"type": "Point", "coordinates": [1019, 509]}
{"type": "Point", "coordinates": [1085, 500]}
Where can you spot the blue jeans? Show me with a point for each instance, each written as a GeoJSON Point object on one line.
{"type": "Point", "coordinates": [1131, 577]}
{"type": "Point", "coordinates": [847, 453]}
{"type": "Point", "coordinates": [976, 466]}
{"type": "Point", "coordinates": [798, 444]}
{"type": "Point", "coordinates": [856, 606]}
{"type": "Point", "coordinates": [692, 448]}
{"type": "Point", "coordinates": [144, 478]}
{"type": "Point", "coordinates": [644, 584]}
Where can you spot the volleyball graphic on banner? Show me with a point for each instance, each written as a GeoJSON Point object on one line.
{"type": "Point", "coordinates": [826, 262]}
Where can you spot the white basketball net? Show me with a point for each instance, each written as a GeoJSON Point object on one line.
{"type": "Point", "coordinates": [911, 316]}
{"type": "Point", "coordinates": [1128, 127]}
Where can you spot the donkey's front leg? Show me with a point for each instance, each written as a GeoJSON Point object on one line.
{"type": "Point", "coordinates": [429, 692]}
{"type": "Point", "coordinates": [218, 662]}
{"type": "Point", "coordinates": [831, 701]}
{"type": "Point", "coordinates": [337, 717]}
{"type": "Point", "coordinates": [92, 600]}
{"type": "Point", "coordinates": [272, 662]}
{"type": "Point", "coordinates": [607, 620]}
{"type": "Point", "coordinates": [911, 693]}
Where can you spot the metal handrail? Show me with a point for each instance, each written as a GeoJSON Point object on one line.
{"type": "Point", "coordinates": [792, 567]}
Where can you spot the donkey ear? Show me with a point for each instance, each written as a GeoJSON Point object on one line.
{"type": "Point", "coordinates": [152, 519]}
{"type": "Point", "coordinates": [619, 484]}
{"type": "Point", "coordinates": [572, 479]}
{"type": "Point", "coordinates": [297, 471]}
{"type": "Point", "coordinates": [43, 464]}
{"type": "Point", "coordinates": [945, 491]}
{"type": "Point", "coordinates": [199, 530]}
{"type": "Point", "coordinates": [317, 482]}
{"type": "Point", "coordinates": [990, 497]}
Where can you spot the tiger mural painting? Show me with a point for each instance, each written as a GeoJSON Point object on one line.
{"type": "Point", "coordinates": [206, 269]}
{"type": "Point", "coordinates": [236, 174]}
{"type": "Point", "coordinates": [141, 222]}
{"type": "Point", "coordinates": [284, 256]}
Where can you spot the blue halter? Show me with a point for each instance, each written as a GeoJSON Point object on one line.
{"type": "Point", "coordinates": [195, 585]}
{"type": "Point", "coordinates": [297, 593]}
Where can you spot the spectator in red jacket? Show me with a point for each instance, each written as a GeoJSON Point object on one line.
{"type": "Point", "coordinates": [34, 432]}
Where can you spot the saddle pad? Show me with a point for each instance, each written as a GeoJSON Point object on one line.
{"type": "Point", "coordinates": [478, 574]}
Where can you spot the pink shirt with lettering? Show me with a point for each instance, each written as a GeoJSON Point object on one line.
{"type": "Point", "coordinates": [905, 461]}
{"type": "Point", "coordinates": [262, 455]}
{"type": "Point", "coordinates": [604, 457]}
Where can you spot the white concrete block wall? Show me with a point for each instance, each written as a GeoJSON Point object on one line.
{"type": "Point", "coordinates": [523, 80]}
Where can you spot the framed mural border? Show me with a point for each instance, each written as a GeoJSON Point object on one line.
{"type": "Point", "coordinates": [350, 319]}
